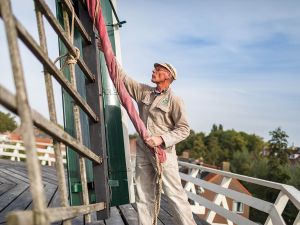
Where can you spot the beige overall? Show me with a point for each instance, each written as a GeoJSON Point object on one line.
{"type": "Point", "coordinates": [163, 116]}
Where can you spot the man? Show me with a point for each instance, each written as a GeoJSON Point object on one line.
{"type": "Point", "coordinates": [164, 116]}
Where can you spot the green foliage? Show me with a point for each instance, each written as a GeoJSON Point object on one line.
{"type": "Point", "coordinates": [194, 144]}
{"type": "Point", "coordinates": [7, 122]}
{"type": "Point", "coordinates": [222, 145]}
{"type": "Point", "coordinates": [242, 162]}
{"type": "Point", "coordinates": [278, 156]}
{"type": "Point", "coordinates": [244, 152]}
{"type": "Point", "coordinates": [214, 155]}
{"type": "Point", "coordinates": [278, 145]}
{"type": "Point", "coordinates": [295, 175]}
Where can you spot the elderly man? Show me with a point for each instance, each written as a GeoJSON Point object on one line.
{"type": "Point", "coordinates": [164, 116]}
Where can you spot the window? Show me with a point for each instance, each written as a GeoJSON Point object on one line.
{"type": "Point", "coordinates": [237, 207]}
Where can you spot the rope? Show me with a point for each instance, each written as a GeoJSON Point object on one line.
{"type": "Point", "coordinates": [70, 59]}
{"type": "Point", "coordinates": [96, 12]}
{"type": "Point", "coordinates": [158, 189]}
{"type": "Point", "coordinates": [112, 66]}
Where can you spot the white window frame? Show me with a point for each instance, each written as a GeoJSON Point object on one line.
{"type": "Point", "coordinates": [235, 207]}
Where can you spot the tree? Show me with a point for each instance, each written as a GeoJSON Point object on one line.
{"type": "Point", "coordinates": [199, 149]}
{"type": "Point", "coordinates": [242, 162]}
{"type": "Point", "coordinates": [295, 174]}
{"type": "Point", "coordinates": [255, 144]}
{"type": "Point", "coordinates": [214, 154]}
{"type": "Point", "coordinates": [278, 157]}
{"type": "Point", "coordinates": [278, 145]}
{"type": "Point", "coordinates": [186, 144]}
{"type": "Point", "coordinates": [7, 122]}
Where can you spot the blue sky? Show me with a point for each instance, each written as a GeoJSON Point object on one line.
{"type": "Point", "coordinates": [238, 62]}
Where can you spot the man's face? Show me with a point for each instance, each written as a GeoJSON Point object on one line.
{"type": "Point", "coordinates": [160, 74]}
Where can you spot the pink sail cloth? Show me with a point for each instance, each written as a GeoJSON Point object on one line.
{"type": "Point", "coordinates": [95, 13]}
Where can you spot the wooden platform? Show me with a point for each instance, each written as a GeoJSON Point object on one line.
{"type": "Point", "coordinates": [15, 195]}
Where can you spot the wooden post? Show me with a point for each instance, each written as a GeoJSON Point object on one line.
{"type": "Point", "coordinates": [34, 171]}
{"type": "Point", "coordinates": [94, 99]}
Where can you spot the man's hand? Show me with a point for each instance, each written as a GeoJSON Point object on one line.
{"type": "Point", "coordinates": [154, 141]}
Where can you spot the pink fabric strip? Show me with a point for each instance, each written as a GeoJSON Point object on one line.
{"type": "Point", "coordinates": [95, 13]}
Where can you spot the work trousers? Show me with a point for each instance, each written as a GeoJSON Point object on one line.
{"type": "Point", "coordinates": [145, 179]}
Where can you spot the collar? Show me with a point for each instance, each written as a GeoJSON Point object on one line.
{"type": "Point", "coordinates": [156, 92]}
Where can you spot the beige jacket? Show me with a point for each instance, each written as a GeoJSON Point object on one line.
{"type": "Point", "coordinates": [163, 115]}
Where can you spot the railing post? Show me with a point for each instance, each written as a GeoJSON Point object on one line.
{"type": "Point", "coordinates": [189, 186]}
{"type": "Point", "coordinates": [16, 156]}
{"type": "Point", "coordinates": [279, 206]}
{"type": "Point", "coordinates": [218, 200]}
{"type": "Point", "coordinates": [95, 100]}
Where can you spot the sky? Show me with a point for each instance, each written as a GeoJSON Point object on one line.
{"type": "Point", "coordinates": [238, 62]}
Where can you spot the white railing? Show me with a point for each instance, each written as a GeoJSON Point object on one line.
{"type": "Point", "coordinates": [15, 151]}
{"type": "Point", "coordinates": [222, 193]}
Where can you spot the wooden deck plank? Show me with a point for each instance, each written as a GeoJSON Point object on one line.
{"type": "Point", "coordinates": [165, 217]}
{"type": "Point", "coordinates": [129, 214]}
{"type": "Point", "coordinates": [23, 174]}
{"type": "Point", "coordinates": [49, 194]}
{"type": "Point", "coordinates": [47, 171]}
{"type": "Point", "coordinates": [159, 221]}
{"type": "Point", "coordinates": [10, 196]}
{"type": "Point", "coordinates": [5, 187]}
{"type": "Point", "coordinates": [18, 197]}
{"type": "Point", "coordinates": [115, 217]}
{"type": "Point", "coordinates": [20, 203]}
{"type": "Point", "coordinates": [6, 178]}
{"type": "Point", "coordinates": [5, 181]}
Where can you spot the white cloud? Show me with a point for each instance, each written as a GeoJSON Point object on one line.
{"type": "Point", "coordinates": [228, 71]}
{"type": "Point", "coordinates": [221, 50]}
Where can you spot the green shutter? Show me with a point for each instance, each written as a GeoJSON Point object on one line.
{"type": "Point", "coordinates": [113, 122]}
{"type": "Point", "coordinates": [72, 157]}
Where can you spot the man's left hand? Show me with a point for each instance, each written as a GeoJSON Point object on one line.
{"type": "Point", "coordinates": [154, 141]}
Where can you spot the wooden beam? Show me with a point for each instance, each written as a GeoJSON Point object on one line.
{"type": "Point", "coordinates": [78, 23]}
{"type": "Point", "coordinates": [63, 36]}
{"type": "Point", "coordinates": [9, 101]}
{"type": "Point", "coordinates": [97, 130]}
{"type": "Point", "coordinates": [23, 108]}
{"type": "Point", "coordinates": [53, 214]}
{"type": "Point", "coordinates": [52, 69]}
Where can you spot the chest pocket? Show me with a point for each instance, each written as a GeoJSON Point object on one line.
{"type": "Point", "coordinates": [164, 108]}
{"type": "Point", "coordinates": [164, 105]}
{"type": "Point", "coordinates": [162, 113]}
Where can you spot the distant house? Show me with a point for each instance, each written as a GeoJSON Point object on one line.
{"type": "Point", "coordinates": [233, 184]}
{"type": "Point", "coordinates": [294, 157]}
{"type": "Point", "coordinates": [232, 205]}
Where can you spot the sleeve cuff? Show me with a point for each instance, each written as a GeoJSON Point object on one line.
{"type": "Point", "coordinates": [167, 142]}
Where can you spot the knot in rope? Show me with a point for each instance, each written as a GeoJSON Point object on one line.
{"type": "Point", "coordinates": [71, 59]}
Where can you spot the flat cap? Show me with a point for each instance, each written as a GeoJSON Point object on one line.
{"type": "Point", "coordinates": [169, 67]}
